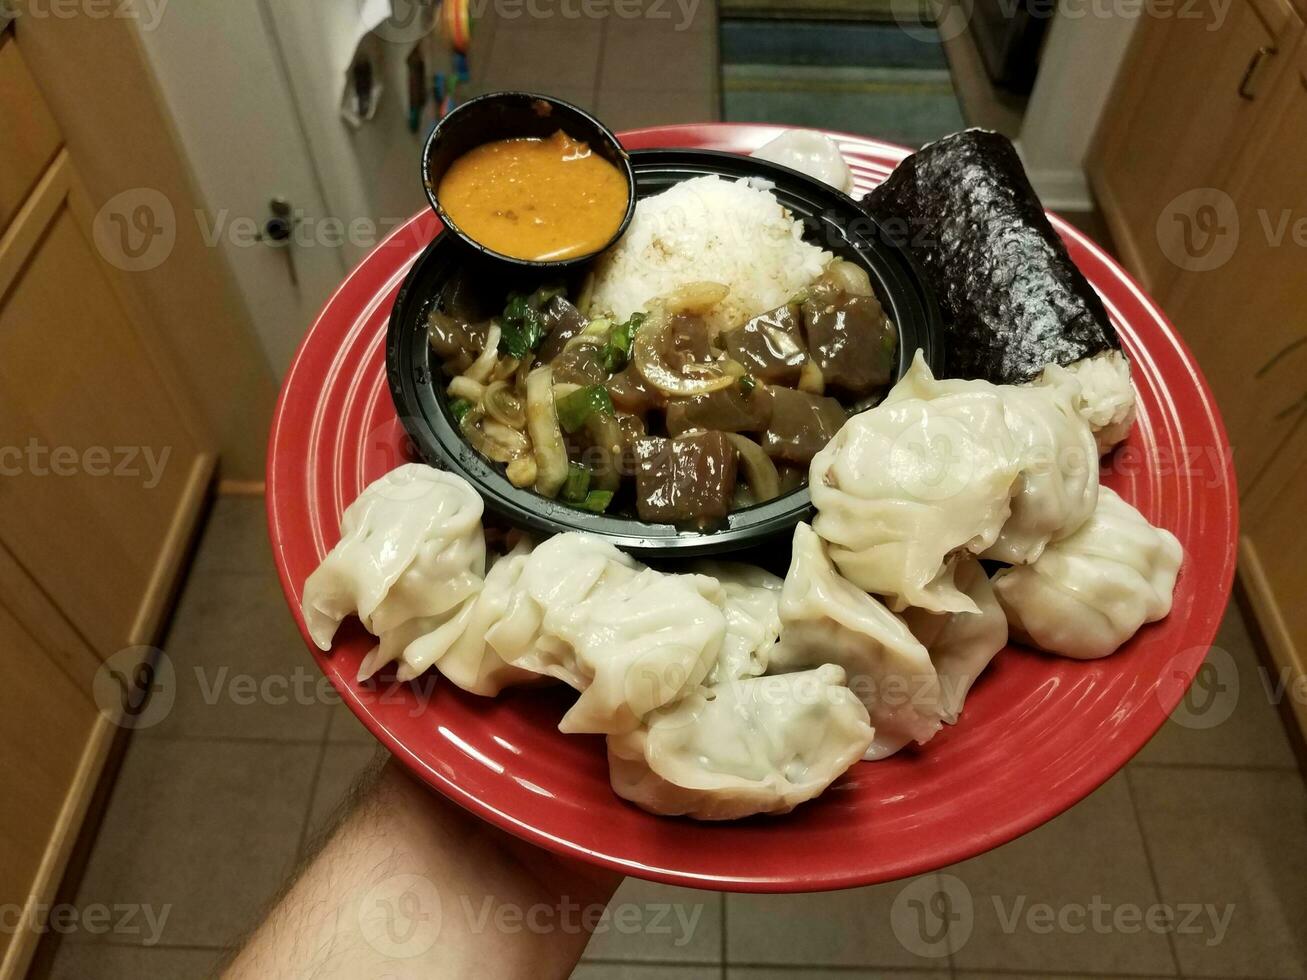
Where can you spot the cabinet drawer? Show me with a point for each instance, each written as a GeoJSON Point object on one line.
{"type": "Point", "coordinates": [31, 138]}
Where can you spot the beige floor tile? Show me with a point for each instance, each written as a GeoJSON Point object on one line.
{"type": "Point", "coordinates": [1082, 867]}
{"type": "Point", "coordinates": [849, 928]}
{"type": "Point", "coordinates": [345, 727]}
{"type": "Point", "coordinates": [647, 60]}
{"type": "Point", "coordinates": [791, 972]}
{"type": "Point", "coordinates": [342, 765]}
{"type": "Point", "coordinates": [99, 962]}
{"type": "Point", "coordinates": [207, 829]}
{"type": "Point", "coordinates": [241, 668]}
{"type": "Point", "coordinates": [1223, 838]}
{"type": "Point", "coordinates": [235, 538]}
{"type": "Point", "coordinates": [635, 971]}
{"type": "Point", "coordinates": [626, 109]}
{"type": "Point", "coordinates": [672, 925]}
{"type": "Point", "coordinates": [1242, 726]}
{"type": "Point", "coordinates": [544, 60]}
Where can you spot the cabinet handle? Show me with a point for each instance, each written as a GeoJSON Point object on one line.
{"type": "Point", "coordinates": [1246, 86]}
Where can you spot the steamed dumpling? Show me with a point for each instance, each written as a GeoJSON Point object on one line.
{"type": "Point", "coordinates": [471, 662]}
{"type": "Point", "coordinates": [638, 646]}
{"type": "Point", "coordinates": [1107, 396]}
{"type": "Point", "coordinates": [904, 486]}
{"type": "Point", "coordinates": [761, 745]}
{"type": "Point", "coordinates": [410, 556]}
{"type": "Point", "coordinates": [559, 574]}
{"type": "Point", "coordinates": [751, 602]}
{"type": "Point", "coordinates": [1089, 593]}
{"type": "Point", "coordinates": [961, 645]}
{"type": "Point", "coordinates": [811, 153]}
{"type": "Point", "coordinates": [1057, 485]}
{"type": "Point", "coordinates": [826, 619]}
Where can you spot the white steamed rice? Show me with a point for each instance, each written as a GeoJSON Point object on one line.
{"type": "Point", "coordinates": [708, 230]}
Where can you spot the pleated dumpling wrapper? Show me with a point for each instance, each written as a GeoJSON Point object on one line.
{"type": "Point", "coordinates": [759, 745]}
{"type": "Point", "coordinates": [827, 619]}
{"type": "Point", "coordinates": [411, 549]}
{"type": "Point", "coordinates": [962, 645]}
{"type": "Point", "coordinates": [904, 486]}
{"type": "Point", "coordinates": [1091, 592]}
{"type": "Point", "coordinates": [1057, 484]}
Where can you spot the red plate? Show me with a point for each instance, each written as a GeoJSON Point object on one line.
{"type": "Point", "coordinates": [1039, 733]}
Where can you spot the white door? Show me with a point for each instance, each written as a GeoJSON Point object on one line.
{"type": "Point", "coordinates": [224, 82]}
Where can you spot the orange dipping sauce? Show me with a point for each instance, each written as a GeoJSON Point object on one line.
{"type": "Point", "coordinates": [535, 199]}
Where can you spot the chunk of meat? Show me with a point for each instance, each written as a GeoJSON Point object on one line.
{"type": "Point", "coordinates": [770, 346]}
{"type": "Point", "coordinates": [685, 341]}
{"type": "Point", "coordinates": [456, 342]}
{"type": "Point", "coordinates": [632, 394]}
{"type": "Point", "coordinates": [579, 365]}
{"type": "Point", "coordinates": [726, 410]}
{"type": "Point", "coordinates": [686, 480]}
{"type": "Point", "coordinates": [852, 340]}
{"type": "Point", "coordinates": [801, 425]}
{"type": "Point", "coordinates": [563, 321]}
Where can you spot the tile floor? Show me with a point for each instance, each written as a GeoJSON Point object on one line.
{"type": "Point", "coordinates": [656, 63]}
{"type": "Point", "coordinates": [217, 803]}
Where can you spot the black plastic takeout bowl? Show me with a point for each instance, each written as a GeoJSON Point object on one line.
{"type": "Point", "coordinates": [417, 384]}
{"type": "Point", "coordinates": [518, 115]}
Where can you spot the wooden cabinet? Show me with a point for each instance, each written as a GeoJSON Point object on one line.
{"type": "Point", "coordinates": [1199, 167]}
{"type": "Point", "coordinates": [102, 476]}
{"type": "Point", "coordinates": [1187, 96]}
{"type": "Point", "coordinates": [1246, 319]}
{"type": "Point", "coordinates": [1271, 563]}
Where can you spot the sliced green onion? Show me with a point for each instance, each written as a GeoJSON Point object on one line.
{"type": "Point", "coordinates": [597, 501]}
{"type": "Point", "coordinates": [459, 408]}
{"type": "Point", "coordinates": [575, 408]}
{"type": "Point", "coordinates": [618, 352]}
{"type": "Point", "coordinates": [747, 384]}
{"type": "Point", "coordinates": [577, 484]}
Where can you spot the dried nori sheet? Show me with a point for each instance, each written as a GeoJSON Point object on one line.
{"type": "Point", "coordinates": [1012, 299]}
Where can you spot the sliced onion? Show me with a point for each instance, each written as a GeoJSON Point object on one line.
{"type": "Point", "coordinates": [696, 297]}
{"type": "Point", "coordinates": [587, 294]}
{"type": "Point", "coordinates": [606, 437]}
{"type": "Point", "coordinates": [494, 441]}
{"type": "Point", "coordinates": [759, 471]}
{"type": "Point", "coordinates": [505, 369]}
{"type": "Point", "coordinates": [504, 406]}
{"type": "Point", "coordinates": [522, 471]}
{"type": "Point", "coordinates": [485, 363]}
{"type": "Point", "coordinates": [546, 436]}
{"type": "Point", "coordinates": [811, 379]}
{"type": "Point", "coordinates": [465, 387]}
{"type": "Point", "coordinates": [513, 441]}
{"type": "Point", "coordinates": [849, 277]}
{"type": "Point", "coordinates": [648, 362]}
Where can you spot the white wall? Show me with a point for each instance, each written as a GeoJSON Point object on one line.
{"type": "Point", "coordinates": [1082, 55]}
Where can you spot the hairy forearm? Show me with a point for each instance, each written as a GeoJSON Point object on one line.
{"type": "Point", "coordinates": [411, 886]}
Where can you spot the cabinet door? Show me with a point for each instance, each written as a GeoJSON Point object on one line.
{"type": "Point", "coordinates": [1246, 319]}
{"type": "Point", "coordinates": [48, 758]}
{"type": "Point", "coordinates": [1271, 563]}
{"type": "Point", "coordinates": [101, 478]}
{"type": "Point", "coordinates": [1183, 101]}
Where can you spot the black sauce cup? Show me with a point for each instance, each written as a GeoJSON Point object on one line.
{"type": "Point", "coordinates": [518, 115]}
{"type": "Point", "coordinates": [760, 533]}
